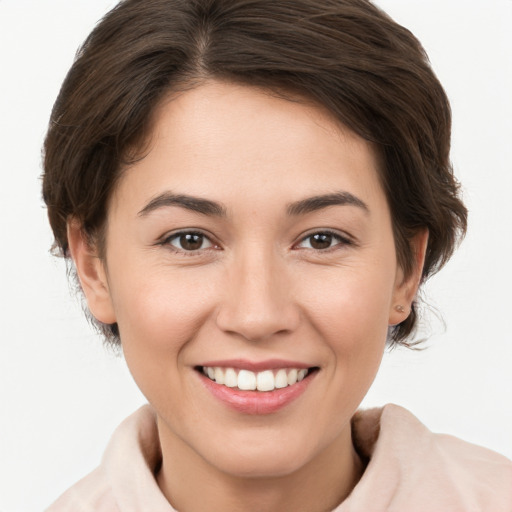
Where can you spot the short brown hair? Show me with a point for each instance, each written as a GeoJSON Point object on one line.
{"type": "Point", "coordinates": [346, 55]}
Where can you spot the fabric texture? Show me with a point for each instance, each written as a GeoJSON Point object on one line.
{"type": "Point", "coordinates": [409, 469]}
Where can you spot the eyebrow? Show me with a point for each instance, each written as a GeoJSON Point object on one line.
{"type": "Point", "coordinates": [212, 208]}
{"type": "Point", "coordinates": [312, 204]}
{"type": "Point", "coordinates": [195, 204]}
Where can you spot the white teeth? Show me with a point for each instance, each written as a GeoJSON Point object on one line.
{"type": "Point", "coordinates": [230, 378]}
{"type": "Point", "coordinates": [292, 377]}
{"type": "Point", "coordinates": [249, 381]}
{"type": "Point", "coordinates": [281, 379]}
{"type": "Point", "coordinates": [265, 381]}
{"type": "Point", "coordinates": [219, 376]}
{"type": "Point", "coordinates": [246, 380]}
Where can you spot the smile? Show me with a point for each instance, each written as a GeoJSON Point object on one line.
{"type": "Point", "coordinates": [246, 380]}
{"type": "Point", "coordinates": [263, 387]}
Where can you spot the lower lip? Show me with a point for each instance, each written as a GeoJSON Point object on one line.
{"type": "Point", "coordinates": [257, 402]}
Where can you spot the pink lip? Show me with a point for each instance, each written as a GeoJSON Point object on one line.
{"type": "Point", "coordinates": [253, 366]}
{"type": "Point", "coordinates": [256, 402]}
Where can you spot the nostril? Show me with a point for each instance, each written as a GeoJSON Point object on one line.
{"type": "Point", "coordinates": [257, 325]}
{"type": "Point", "coordinates": [256, 302]}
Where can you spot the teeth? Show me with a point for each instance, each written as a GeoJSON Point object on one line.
{"type": "Point", "coordinates": [219, 375]}
{"type": "Point", "coordinates": [246, 380]}
{"type": "Point", "coordinates": [265, 381]}
{"type": "Point", "coordinates": [292, 377]}
{"type": "Point", "coordinates": [281, 379]}
{"type": "Point", "coordinates": [249, 381]}
{"type": "Point", "coordinates": [230, 378]}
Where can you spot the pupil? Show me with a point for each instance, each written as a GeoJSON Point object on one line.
{"type": "Point", "coordinates": [191, 242]}
{"type": "Point", "coordinates": [321, 241]}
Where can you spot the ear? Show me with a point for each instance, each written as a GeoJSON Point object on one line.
{"type": "Point", "coordinates": [406, 288]}
{"type": "Point", "coordinates": [91, 273]}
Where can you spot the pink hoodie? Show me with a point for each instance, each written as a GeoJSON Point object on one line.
{"type": "Point", "coordinates": [410, 470]}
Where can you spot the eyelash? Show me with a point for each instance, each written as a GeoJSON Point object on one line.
{"type": "Point", "coordinates": [167, 241]}
{"type": "Point", "coordinates": [341, 240]}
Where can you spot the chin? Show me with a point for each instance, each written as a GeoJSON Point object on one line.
{"type": "Point", "coordinates": [265, 464]}
{"type": "Point", "coordinates": [262, 456]}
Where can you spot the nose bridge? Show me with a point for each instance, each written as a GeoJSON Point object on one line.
{"type": "Point", "coordinates": [257, 303]}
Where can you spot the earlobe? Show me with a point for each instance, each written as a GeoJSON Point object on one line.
{"type": "Point", "coordinates": [406, 288]}
{"type": "Point", "coordinates": [91, 273]}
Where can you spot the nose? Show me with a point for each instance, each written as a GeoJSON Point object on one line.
{"type": "Point", "coordinates": [258, 302]}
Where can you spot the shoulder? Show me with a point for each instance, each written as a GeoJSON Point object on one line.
{"type": "Point", "coordinates": [125, 480]}
{"type": "Point", "coordinates": [411, 468]}
{"type": "Point", "coordinates": [91, 494]}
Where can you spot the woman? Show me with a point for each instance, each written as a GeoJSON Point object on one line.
{"type": "Point", "coordinates": [251, 193]}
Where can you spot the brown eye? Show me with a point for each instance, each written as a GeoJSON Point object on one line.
{"type": "Point", "coordinates": [322, 241]}
{"type": "Point", "coordinates": [189, 241]}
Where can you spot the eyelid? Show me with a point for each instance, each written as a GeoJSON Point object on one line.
{"type": "Point", "coordinates": [166, 240]}
{"type": "Point", "coordinates": [344, 239]}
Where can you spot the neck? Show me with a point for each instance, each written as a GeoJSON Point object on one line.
{"type": "Point", "coordinates": [192, 484]}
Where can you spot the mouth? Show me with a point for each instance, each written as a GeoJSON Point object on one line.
{"type": "Point", "coordinates": [258, 381]}
{"type": "Point", "coordinates": [256, 388]}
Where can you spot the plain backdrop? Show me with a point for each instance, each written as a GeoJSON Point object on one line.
{"type": "Point", "coordinates": [62, 394]}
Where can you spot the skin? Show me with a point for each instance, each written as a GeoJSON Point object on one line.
{"type": "Point", "coordinates": [258, 287]}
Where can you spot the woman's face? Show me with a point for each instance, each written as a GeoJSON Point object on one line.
{"type": "Point", "coordinates": [252, 242]}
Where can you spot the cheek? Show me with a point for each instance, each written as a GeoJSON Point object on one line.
{"type": "Point", "coordinates": [159, 316]}
{"type": "Point", "coordinates": [353, 307]}
{"type": "Point", "coordinates": [159, 312]}
{"type": "Point", "coordinates": [352, 319]}
{"type": "Point", "coordinates": [351, 316]}
{"type": "Point", "coordinates": [160, 302]}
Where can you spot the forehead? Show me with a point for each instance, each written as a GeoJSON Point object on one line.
{"type": "Point", "coordinates": [236, 141]}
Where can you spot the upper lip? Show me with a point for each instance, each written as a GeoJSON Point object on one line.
{"type": "Point", "coordinates": [256, 366]}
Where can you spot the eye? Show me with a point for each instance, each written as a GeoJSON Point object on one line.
{"type": "Point", "coordinates": [189, 241]}
{"type": "Point", "coordinates": [322, 240]}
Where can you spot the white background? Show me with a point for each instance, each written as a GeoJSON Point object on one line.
{"type": "Point", "coordinates": [62, 394]}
